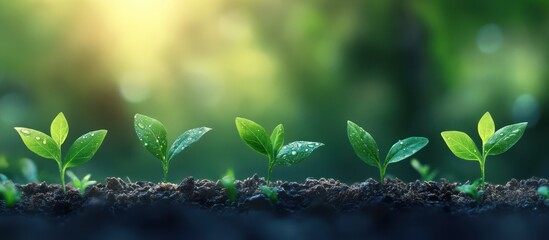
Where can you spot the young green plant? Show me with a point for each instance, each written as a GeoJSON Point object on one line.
{"type": "Point", "coordinates": [424, 170]}
{"type": "Point", "coordinates": [9, 191]}
{"type": "Point", "coordinates": [81, 151]}
{"type": "Point", "coordinates": [544, 191]}
{"type": "Point", "coordinates": [81, 185]}
{"type": "Point", "coordinates": [153, 137]}
{"type": "Point", "coordinates": [228, 183]}
{"type": "Point", "coordinates": [366, 148]}
{"type": "Point", "coordinates": [270, 192]}
{"type": "Point", "coordinates": [493, 142]}
{"type": "Point", "coordinates": [471, 190]}
{"type": "Point", "coordinates": [255, 136]}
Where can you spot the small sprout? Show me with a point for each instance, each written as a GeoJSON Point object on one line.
{"type": "Point", "coordinates": [471, 190]}
{"type": "Point", "coordinates": [493, 142]}
{"type": "Point", "coordinates": [423, 170]}
{"type": "Point", "coordinates": [270, 192]}
{"type": "Point", "coordinates": [228, 183]}
{"type": "Point", "coordinates": [9, 191]}
{"type": "Point", "coordinates": [255, 136]}
{"type": "Point", "coordinates": [366, 148]}
{"type": "Point", "coordinates": [153, 137]}
{"type": "Point", "coordinates": [81, 185]}
{"type": "Point", "coordinates": [81, 151]}
{"type": "Point", "coordinates": [544, 191]}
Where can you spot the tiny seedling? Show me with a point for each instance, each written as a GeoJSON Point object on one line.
{"type": "Point", "coordinates": [493, 142]}
{"type": "Point", "coordinates": [81, 151]}
{"type": "Point", "coordinates": [228, 183]}
{"type": "Point", "coordinates": [471, 190]}
{"type": "Point", "coordinates": [255, 136]}
{"type": "Point", "coordinates": [81, 185]}
{"type": "Point", "coordinates": [544, 191]}
{"type": "Point", "coordinates": [9, 191]}
{"type": "Point", "coordinates": [366, 148]}
{"type": "Point", "coordinates": [270, 192]}
{"type": "Point", "coordinates": [423, 170]}
{"type": "Point", "coordinates": [153, 137]}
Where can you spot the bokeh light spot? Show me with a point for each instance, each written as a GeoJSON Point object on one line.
{"type": "Point", "coordinates": [526, 109]}
{"type": "Point", "coordinates": [489, 38]}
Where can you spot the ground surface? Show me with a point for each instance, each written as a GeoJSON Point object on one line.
{"type": "Point", "coordinates": [314, 209]}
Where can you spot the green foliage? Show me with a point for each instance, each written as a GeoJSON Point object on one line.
{"type": "Point", "coordinates": [228, 183]}
{"type": "Point", "coordinates": [493, 142]}
{"type": "Point", "coordinates": [544, 191]}
{"type": "Point", "coordinates": [81, 185]}
{"type": "Point", "coordinates": [270, 192]}
{"type": "Point", "coordinates": [423, 170]}
{"type": "Point", "coordinates": [273, 147]}
{"type": "Point", "coordinates": [153, 137]}
{"type": "Point", "coordinates": [366, 148]}
{"type": "Point", "coordinates": [471, 190]}
{"type": "Point", "coordinates": [28, 169]}
{"type": "Point", "coordinates": [81, 151]}
{"type": "Point", "coordinates": [9, 191]}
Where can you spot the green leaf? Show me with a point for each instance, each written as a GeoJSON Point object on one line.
{"type": "Point", "coordinates": [405, 148]}
{"type": "Point", "coordinates": [420, 168]}
{"type": "Point", "coordinates": [254, 136]}
{"type": "Point", "coordinates": [505, 138]}
{"type": "Point", "coordinates": [152, 135]}
{"type": "Point", "coordinates": [83, 149]}
{"type": "Point", "coordinates": [363, 143]}
{"type": "Point", "coordinates": [28, 169]}
{"type": "Point", "coordinates": [461, 145]}
{"type": "Point", "coordinates": [486, 127]}
{"type": "Point", "coordinates": [59, 129]}
{"type": "Point", "coordinates": [40, 143]}
{"type": "Point", "coordinates": [277, 138]}
{"type": "Point", "coordinates": [186, 139]}
{"type": "Point", "coordinates": [295, 152]}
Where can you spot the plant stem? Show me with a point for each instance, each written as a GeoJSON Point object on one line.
{"type": "Point", "coordinates": [269, 170]}
{"type": "Point", "coordinates": [62, 173]}
{"type": "Point", "coordinates": [381, 174]}
{"type": "Point", "coordinates": [165, 167]}
{"type": "Point", "coordinates": [482, 172]}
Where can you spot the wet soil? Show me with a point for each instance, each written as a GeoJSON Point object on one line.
{"type": "Point", "coordinates": [313, 209]}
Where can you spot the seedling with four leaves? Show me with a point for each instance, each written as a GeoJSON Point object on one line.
{"type": "Point", "coordinates": [366, 148]}
{"type": "Point", "coordinates": [493, 142]}
{"type": "Point", "coordinates": [153, 137]}
{"type": "Point", "coordinates": [81, 151]}
{"type": "Point", "coordinates": [255, 136]}
{"type": "Point", "coordinates": [81, 185]}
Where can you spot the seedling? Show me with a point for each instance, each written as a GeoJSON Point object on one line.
{"type": "Point", "coordinates": [270, 192]}
{"type": "Point", "coordinates": [28, 169]}
{"type": "Point", "coordinates": [81, 151]}
{"type": "Point", "coordinates": [471, 190]}
{"type": "Point", "coordinates": [544, 191]}
{"type": "Point", "coordinates": [153, 137]}
{"type": "Point", "coordinates": [366, 148]}
{"type": "Point", "coordinates": [256, 137]}
{"type": "Point", "coordinates": [81, 185]}
{"type": "Point", "coordinates": [423, 170]}
{"type": "Point", "coordinates": [493, 143]}
{"type": "Point", "coordinates": [228, 183]}
{"type": "Point", "coordinates": [9, 192]}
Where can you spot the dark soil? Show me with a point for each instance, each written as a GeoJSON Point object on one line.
{"type": "Point", "coordinates": [315, 209]}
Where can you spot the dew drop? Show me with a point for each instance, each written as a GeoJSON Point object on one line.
{"type": "Point", "coordinates": [401, 143]}
{"type": "Point", "coordinates": [92, 134]}
{"type": "Point", "coordinates": [140, 125]}
{"type": "Point", "coordinates": [310, 145]}
{"type": "Point", "coordinates": [299, 144]}
{"type": "Point", "coordinates": [37, 138]}
{"type": "Point", "coordinates": [501, 134]}
{"type": "Point", "coordinates": [146, 144]}
{"type": "Point", "coordinates": [190, 139]}
{"type": "Point", "coordinates": [306, 149]}
{"type": "Point", "coordinates": [25, 131]}
{"type": "Point", "coordinates": [294, 152]}
{"type": "Point", "coordinates": [317, 144]}
{"type": "Point", "coordinates": [44, 142]}
{"type": "Point", "coordinates": [150, 126]}
{"type": "Point", "coordinates": [157, 140]}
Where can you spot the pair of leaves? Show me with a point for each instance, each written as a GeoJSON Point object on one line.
{"type": "Point", "coordinates": [424, 170]}
{"type": "Point", "coordinates": [366, 147]}
{"type": "Point", "coordinates": [255, 136]}
{"type": "Point", "coordinates": [81, 151]}
{"type": "Point", "coordinates": [493, 142]}
{"type": "Point", "coordinates": [153, 137]}
{"type": "Point", "coordinates": [80, 184]}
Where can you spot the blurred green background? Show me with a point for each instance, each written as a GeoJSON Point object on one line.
{"type": "Point", "coordinates": [397, 68]}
